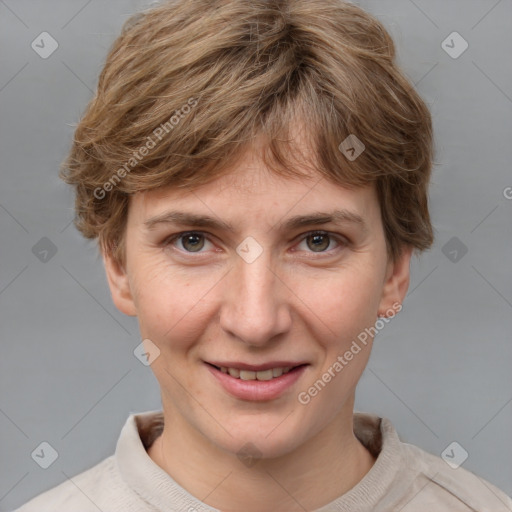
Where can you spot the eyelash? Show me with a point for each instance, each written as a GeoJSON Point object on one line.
{"type": "Point", "coordinates": [342, 242]}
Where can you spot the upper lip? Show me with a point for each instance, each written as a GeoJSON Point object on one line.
{"type": "Point", "coordinates": [256, 367]}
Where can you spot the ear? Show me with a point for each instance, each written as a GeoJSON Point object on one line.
{"type": "Point", "coordinates": [119, 285]}
{"type": "Point", "coordinates": [396, 282]}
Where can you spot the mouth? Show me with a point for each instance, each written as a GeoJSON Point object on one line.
{"type": "Point", "coordinates": [267, 374]}
{"type": "Point", "coordinates": [261, 382]}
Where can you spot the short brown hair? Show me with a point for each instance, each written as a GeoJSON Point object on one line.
{"type": "Point", "coordinates": [195, 82]}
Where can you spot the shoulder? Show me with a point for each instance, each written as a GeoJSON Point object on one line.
{"type": "Point", "coordinates": [105, 486]}
{"type": "Point", "coordinates": [407, 478]}
{"type": "Point", "coordinates": [438, 486]}
{"type": "Point", "coordinates": [98, 488]}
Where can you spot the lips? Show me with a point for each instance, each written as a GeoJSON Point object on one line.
{"type": "Point", "coordinates": [263, 372]}
{"type": "Point", "coordinates": [256, 382]}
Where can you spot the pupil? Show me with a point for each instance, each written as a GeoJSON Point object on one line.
{"type": "Point", "coordinates": [197, 242]}
{"type": "Point", "coordinates": [319, 238]}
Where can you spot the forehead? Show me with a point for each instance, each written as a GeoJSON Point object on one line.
{"type": "Point", "coordinates": [251, 186]}
{"type": "Point", "coordinates": [251, 192]}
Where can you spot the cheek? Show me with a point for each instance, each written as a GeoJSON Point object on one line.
{"type": "Point", "coordinates": [341, 306]}
{"type": "Point", "coordinates": [172, 305]}
{"type": "Point", "coordinates": [342, 303]}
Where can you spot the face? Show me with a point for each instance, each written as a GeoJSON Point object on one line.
{"type": "Point", "coordinates": [269, 279]}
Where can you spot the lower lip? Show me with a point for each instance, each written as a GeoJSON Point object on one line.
{"type": "Point", "coordinates": [257, 390]}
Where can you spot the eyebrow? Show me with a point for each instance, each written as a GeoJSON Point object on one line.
{"type": "Point", "coordinates": [204, 221]}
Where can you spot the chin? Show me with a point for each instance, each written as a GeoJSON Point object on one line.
{"type": "Point", "coordinates": [267, 440]}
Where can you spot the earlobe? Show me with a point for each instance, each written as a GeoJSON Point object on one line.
{"type": "Point", "coordinates": [396, 283]}
{"type": "Point", "coordinates": [119, 285]}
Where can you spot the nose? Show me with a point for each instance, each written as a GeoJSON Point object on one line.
{"type": "Point", "coordinates": [254, 307]}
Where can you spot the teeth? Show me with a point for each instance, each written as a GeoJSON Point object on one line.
{"type": "Point", "coordinates": [269, 374]}
{"type": "Point", "coordinates": [277, 372]}
{"type": "Point", "coordinates": [234, 372]}
{"type": "Point", "coordinates": [264, 374]}
{"type": "Point", "coordinates": [247, 375]}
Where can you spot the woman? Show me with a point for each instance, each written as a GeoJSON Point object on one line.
{"type": "Point", "coordinates": [256, 174]}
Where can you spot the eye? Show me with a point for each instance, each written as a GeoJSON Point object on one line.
{"type": "Point", "coordinates": [316, 241]}
{"type": "Point", "coordinates": [320, 241]}
{"type": "Point", "coordinates": [190, 241]}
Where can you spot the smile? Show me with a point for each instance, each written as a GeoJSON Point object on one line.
{"type": "Point", "coordinates": [269, 374]}
{"type": "Point", "coordinates": [257, 384]}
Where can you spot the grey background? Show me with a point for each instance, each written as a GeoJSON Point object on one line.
{"type": "Point", "coordinates": [440, 370]}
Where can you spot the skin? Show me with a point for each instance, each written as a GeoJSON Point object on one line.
{"type": "Point", "coordinates": [302, 299]}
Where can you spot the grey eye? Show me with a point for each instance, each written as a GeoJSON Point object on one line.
{"type": "Point", "coordinates": [318, 242]}
{"type": "Point", "coordinates": [192, 242]}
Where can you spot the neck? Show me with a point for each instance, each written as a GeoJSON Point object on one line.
{"type": "Point", "coordinates": [316, 473]}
